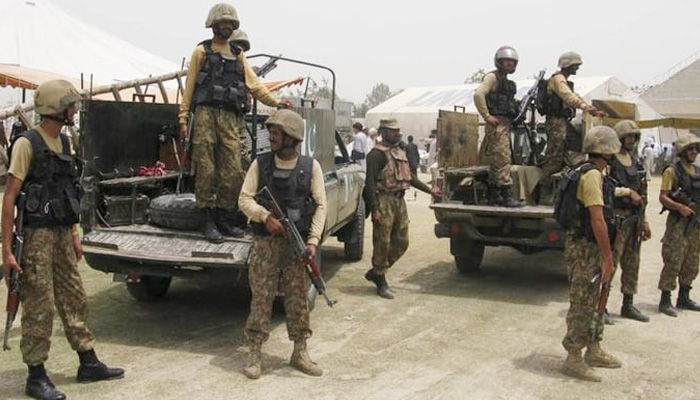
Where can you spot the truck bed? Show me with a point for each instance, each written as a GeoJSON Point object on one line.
{"type": "Point", "coordinates": [152, 245]}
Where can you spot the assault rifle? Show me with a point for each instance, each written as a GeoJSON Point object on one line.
{"type": "Point", "coordinates": [294, 237]}
{"type": "Point", "coordinates": [599, 316]}
{"type": "Point", "coordinates": [13, 279]}
{"type": "Point", "coordinates": [680, 196]}
{"type": "Point", "coordinates": [529, 102]}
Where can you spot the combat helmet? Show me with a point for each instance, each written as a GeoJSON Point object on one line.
{"type": "Point", "coordinates": [569, 58]}
{"type": "Point", "coordinates": [289, 121]}
{"type": "Point", "coordinates": [627, 127]}
{"type": "Point", "coordinates": [505, 52]}
{"type": "Point", "coordinates": [240, 39]}
{"type": "Point", "coordinates": [54, 97]}
{"type": "Point", "coordinates": [222, 12]}
{"type": "Point", "coordinates": [684, 141]}
{"type": "Point", "coordinates": [601, 140]}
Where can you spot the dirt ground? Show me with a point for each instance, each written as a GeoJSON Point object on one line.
{"type": "Point", "coordinates": [495, 335]}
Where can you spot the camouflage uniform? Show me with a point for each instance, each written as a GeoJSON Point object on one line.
{"type": "Point", "coordinates": [390, 238]}
{"type": "Point", "coordinates": [625, 255]}
{"type": "Point", "coordinates": [556, 145]}
{"type": "Point", "coordinates": [51, 278]}
{"type": "Point", "coordinates": [680, 254]}
{"type": "Point", "coordinates": [217, 157]}
{"type": "Point", "coordinates": [498, 152]}
{"type": "Point", "coordinates": [583, 259]}
{"type": "Point", "coordinates": [272, 259]}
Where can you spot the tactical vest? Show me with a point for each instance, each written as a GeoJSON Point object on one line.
{"type": "Point", "coordinates": [571, 213]}
{"type": "Point", "coordinates": [396, 175]}
{"type": "Point", "coordinates": [292, 190]}
{"type": "Point", "coordinates": [557, 107]}
{"type": "Point", "coordinates": [632, 177]}
{"type": "Point", "coordinates": [221, 82]}
{"type": "Point", "coordinates": [689, 186]}
{"type": "Point", "coordinates": [52, 185]}
{"type": "Point", "coordinates": [501, 102]}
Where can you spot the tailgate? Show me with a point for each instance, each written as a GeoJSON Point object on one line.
{"type": "Point", "coordinates": [146, 244]}
{"type": "Point", "coordinates": [453, 211]}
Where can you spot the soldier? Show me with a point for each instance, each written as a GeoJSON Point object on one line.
{"type": "Point", "coordinates": [680, 193]}
{"type": "Point", "coordinates": [41, 165]}
{"type": "Point", "coordinates": [629, 207]}
{"type": "Point", "coordinates": [560, 108]}
{"type": "Point", "coordinates": [240, 38]}
{"type": "Point", "coordinates": [388, 177]}
{"type": "Point", "coordinates": [495, 100]}
{"type": "Point", "coordinates": [218, 81]}
{"type": "Point", "coordinates": [297, 184]}
{"type": "Point", "coordinates": [588, 252]}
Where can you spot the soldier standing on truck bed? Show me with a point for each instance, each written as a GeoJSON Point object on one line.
{"type": "Point", "coordinates": [629, 206]}
{"type": "Point", "coordinates": [588, 252]}
{"type": "Point", "coordinates": [297, 184]}
{"type": "Point", "coordinates": [218, 81]}
{"type": "Point", "coordinates": [560, 106]}
{"type": "Point", "coordinates": [495, 100]}
{"type": "Point", "coordinates": [388, 178]}
{"type": "Point", "coordinates": [41, 165]}
{"type": "Point", "coordinates": [680, 193]}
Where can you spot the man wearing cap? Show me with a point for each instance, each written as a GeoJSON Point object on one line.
{"type": "Point", "coordinates": [219, 79]}
{"type": "Point", "coordinates": [629, 206]}
{"type": "Point", "coordinates": [495, 100]}
{"type": "Point", "coordinates": [297, 184]}
{"type": "Point", "coordinates": [680, 194]}
{"type": "Point", "coordinates": [588, 252]}
{"type": "Point", "coordinates": [41, 166]}
{"type": "Point", "coordinates": [388, 178]}
{"type": "Point", "coordinates": [560, 108]}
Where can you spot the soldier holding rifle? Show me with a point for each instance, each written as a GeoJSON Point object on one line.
{"type": "Point", "coordinates": [42, 167]}
{"type": "Point", "coordinates": [296, 182]}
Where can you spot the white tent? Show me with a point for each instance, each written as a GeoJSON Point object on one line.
{"type": "Point", "coordinates": [416, 109]}
{"type": "Point", "coordinates": [36, 34]}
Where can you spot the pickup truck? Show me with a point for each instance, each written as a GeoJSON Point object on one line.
{"type": "Point", "coordinates": [145, 228]}
{"type": "Point", "coordinates": [464, 216]}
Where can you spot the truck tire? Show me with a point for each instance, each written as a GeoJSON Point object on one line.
{"type": "Point", "coordinates": [149, 288]}
{"type": "Point", "coordinates": [175, 212]}
{"type": "Point", "coordinates": [468, 255]}
{"type": "Point", "coordinates": [355, 243]}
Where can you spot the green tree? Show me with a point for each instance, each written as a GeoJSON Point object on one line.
{"type": "Point", "coordinates": [360, 110]}
{"type": "Point", "coordinates": [379, 94]}
{"type": "Point", "coordinates": [476, 77]}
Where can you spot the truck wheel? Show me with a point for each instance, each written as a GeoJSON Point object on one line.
{"type": "Point", "coordinates": [355, 244]}
{"type": "Point", "coordinates": [149, 288]}
{"type": "Point", "coordinates": [175, 212]}
{"type": "Point", "coordinates": [468, 255]}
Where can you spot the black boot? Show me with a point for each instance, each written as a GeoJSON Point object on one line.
{"type": "Point", "coordinates": [508, 199]}
{"type": "Point", "coordinates": [92, 370]}
{"type": "Point", "coordinates": [209, 230]}
{"type": "Point", "coordinates": [684, 302]}
{"type": "Point", "coordinates": [39, 386]}
{"type": "Point", "coordinates": [380, 281]}
{"type": "Point", "coordinates": [665, 305]}
{"type": "Point", "coordinates": [630, 311]}
{"type": "Point", "coordinates": [495, 197]}
{"type": "Point", "coordinates": [224, 225]}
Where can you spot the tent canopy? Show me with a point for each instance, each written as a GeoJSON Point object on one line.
{"type": "Point", "coordinates": [416, 109]}
{"type": "Point", "coordinates": [36, 34]}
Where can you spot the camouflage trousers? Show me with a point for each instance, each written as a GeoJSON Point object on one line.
{"type": "Point", "coordinates": [681, 254]}
{"type": "Point", "coordinates": [557, 156]}
{"type": "Point", "coordinates": [498, 152]}
{"type": "Point", "coordinates": [583, 259]}
{"type": "Point", "coordinates": [390, 237]}
{"type": "Point", "coordinates": [51, 280]}
{"type": "Point", "coordinates": [625, 255]}
{"type": "Point", "coordinates": [273, 266]}
{"type": "Point", "coordinates": [216, 157]}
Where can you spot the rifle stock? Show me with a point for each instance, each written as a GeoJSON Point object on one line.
{"type": "Point", "coordinates": [294, 237]}
{"type": "Point", "coordinates": [13, 279]}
